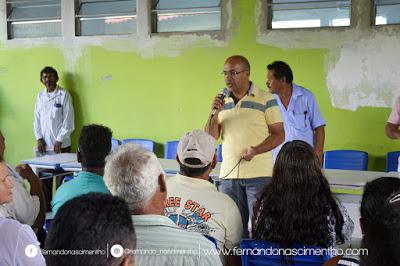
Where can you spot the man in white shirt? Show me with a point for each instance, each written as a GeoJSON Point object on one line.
{"type": "Point", "coordinates": [135, 175]}
{"type": "Point", "coordinates": [194, 204]}
{"type": "Point", "coordinates": [54, 115]}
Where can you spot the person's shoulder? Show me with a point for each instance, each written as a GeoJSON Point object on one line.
{"type": "Point", "coordinates": [61, 89]}
{"type": "Point", "coordinates": [263, 95]}
{"type": "Point", "coordinates": [303, 90]}
{"type": "Point", "coordinates": [172, 179]}
{"type": "Point", "coordinates": [64, 193]}
{"type": "Point", "coordinates": [10, 227]}
{"type": "Point", "coordinates": [260, 91]}
{"type": "Point", "coordinates": [223, 198]}
{"type": "Point", "coordinates": [67, 190]}
{"type": "Point", "coordinates": [178, 181]}
{"type": "Point", "coordinates": [12, 231]}
{"type": "Point", "coordinates": [64, 91]}
{"type": "Point", "coordinates": [196, 238]}
{"type": "Point", "coordinates": [41, 92]}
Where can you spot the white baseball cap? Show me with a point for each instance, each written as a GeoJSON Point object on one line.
{"type": "Point", "coordinates": [196, 144]}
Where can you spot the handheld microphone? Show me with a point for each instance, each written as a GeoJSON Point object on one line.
{"type": "Point", "coordinates": [224, 92]}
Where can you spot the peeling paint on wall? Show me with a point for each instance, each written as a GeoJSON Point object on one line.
{"type": "Point", "coordinates": [362, 60]}
{"type": "Point", "coordinates": [365, 73]}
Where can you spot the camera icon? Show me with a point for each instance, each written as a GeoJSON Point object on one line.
{"type": "Point", "coordinates": [117, 251]}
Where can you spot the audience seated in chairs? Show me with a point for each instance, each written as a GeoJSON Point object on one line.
{"type": "Point", "coordinates": [297, 206]}
{"type": "Point", "coordinates": [94, 146]}
{"type": "Point", "coordinates": [27, 208]}
{"type": "Point", "coordinates": [94, 222]}
{"type": "Point", "coordinates": [194, 203]}
{"type": "Point", "coordinates": [134, 174]}
{"type": "Point", "coordinates": [14, 236]}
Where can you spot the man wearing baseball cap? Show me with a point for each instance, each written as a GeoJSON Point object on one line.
{"type": "Point", "coordinates": [194, 204]}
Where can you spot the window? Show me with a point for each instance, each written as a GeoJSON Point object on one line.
{"type": "Point", "coordinates": [188, 15]}
{"type": "Point", "coordinates": [308, 13]}
{"type": "Point", "coordinates": [387, 12]}
{"type": "Point", "coordinates": [105, 17]}
{"type": "Point", "coordinates": [34, 18]}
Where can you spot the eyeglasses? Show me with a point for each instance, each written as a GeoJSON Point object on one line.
{"type": "Point", "coordinates": [231, 73]}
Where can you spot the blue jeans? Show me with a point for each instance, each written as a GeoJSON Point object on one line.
{"type": "Point", "coordinates": [244, 193]}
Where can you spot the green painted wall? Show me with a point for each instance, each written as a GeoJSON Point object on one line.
{"type": "Point", "coordinates": [161, 97]}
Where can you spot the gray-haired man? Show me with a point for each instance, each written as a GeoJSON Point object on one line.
{"type": "Point", "coordinates": [135, 175]}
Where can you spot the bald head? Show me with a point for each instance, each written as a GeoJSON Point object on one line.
{"type": "Point", "coordinates": [239, 60]}
{"type": "Point", "coordinates": [237, 75]}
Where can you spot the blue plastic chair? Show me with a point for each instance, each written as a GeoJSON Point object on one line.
{"type": "Point", "coordinates": [392, 161]}
{"type": "Point", "coordinates": [219, 153]}
{"type": "Point", "coordinates": [346, 160]}
{"type": "Point", "coordinates": [257, 252]}
{"type": "Point", "coordinates": [170, 149]}
{"type": "Point", "coordinates": [145, 143]}
{"type": "Point", "coordinates": [114, 144]}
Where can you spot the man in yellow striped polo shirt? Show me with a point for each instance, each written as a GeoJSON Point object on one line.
{"type": "Point", "coordinates": [250, 125]}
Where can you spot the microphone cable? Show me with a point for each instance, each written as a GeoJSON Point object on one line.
{"type": "Point", "coordinates": [237, 165]}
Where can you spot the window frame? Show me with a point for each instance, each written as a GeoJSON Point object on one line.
{"type": "Point", "coordinates": [373, 17]}
{"type": "Point", "coordinates": [78, 31]}
{"type": "Point", "coordinates": [267, 21]}
{"type": "Point", "coordinates": [223, 21]}
{"type": "Point", "coordinates": [143, 27]}
{"type": "Point", "coordinates": [9, 22]}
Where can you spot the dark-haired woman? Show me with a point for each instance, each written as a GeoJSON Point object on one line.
{"type": "Point", "coordinates": [297, 206]}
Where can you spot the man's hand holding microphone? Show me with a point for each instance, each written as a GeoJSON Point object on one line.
{"type": "Point", "coordinates": [219, 102]}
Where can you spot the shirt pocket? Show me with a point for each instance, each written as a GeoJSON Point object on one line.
{"type": "Point", "coordinates": [56, 112]}
{"type": "Point", "coordinates": [301, 121]}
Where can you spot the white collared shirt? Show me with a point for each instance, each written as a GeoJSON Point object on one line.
{"type": "Point", "coordinates": [54, 117]}
{"type": "Point", "coordinates": [15, 237]}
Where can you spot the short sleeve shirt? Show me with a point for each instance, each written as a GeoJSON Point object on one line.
{"type": "Point", "coordinates": [245, 124]}
{"type": "Point", "coordinates": [301, 117]}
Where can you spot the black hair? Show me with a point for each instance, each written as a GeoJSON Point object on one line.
{"type": "Point", "coordinates": [94, 145]}
{"type": "Point", "coordinates": [294, 207]}
{"type": "Point", "coordinates": [375, 194]}
{"type": "Point", "coordinates": [191, 171]}
{"type": "Point", "coordinates": [48, 70]}
{"type": "Point", "coordinates": [93, 222]}
{"type": "Point", "coordinates": [382, 235]}
{"type": "Point", "coordinates": [281, 69]}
